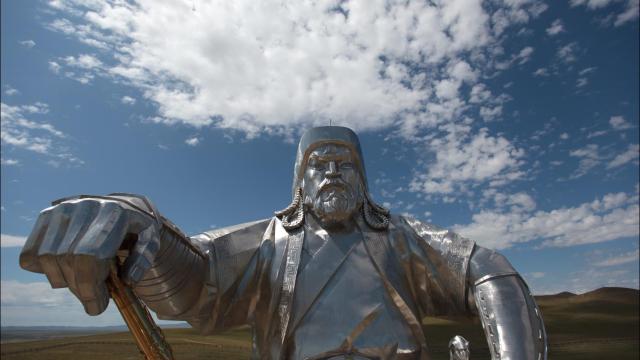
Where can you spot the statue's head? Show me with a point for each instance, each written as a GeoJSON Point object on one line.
{"type": "Point", "coordinates": [330, 181]}
{"type": "Point", "coordinates": [459, 348]}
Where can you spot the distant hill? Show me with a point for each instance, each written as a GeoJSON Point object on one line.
{"type": "Point", "coordinates": [25, 333]}
{"type": "Point", "coordinates": [603, 294]}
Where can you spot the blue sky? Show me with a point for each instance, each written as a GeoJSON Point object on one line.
{"type": "Point", "coordinates": [514, 123]}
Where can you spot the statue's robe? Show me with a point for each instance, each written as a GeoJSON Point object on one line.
{"type": "Point", "coordinates": [311, 296]}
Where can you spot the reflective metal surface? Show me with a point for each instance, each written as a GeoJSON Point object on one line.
{"type": "Point", "coordinates": [332, 276]}
{"type": "Point", "coordinates": [459, 348]}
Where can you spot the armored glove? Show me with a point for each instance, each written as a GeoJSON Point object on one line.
{"type": "Point", "coordinates": [75, 241]}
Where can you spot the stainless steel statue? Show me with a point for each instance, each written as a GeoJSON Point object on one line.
{"type": "Point", "coordinates": [459, 348]}
{"type": "Point", "coordinates": [332, 276]}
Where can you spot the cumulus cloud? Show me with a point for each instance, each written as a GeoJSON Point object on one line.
{"type": "Point", "coordinates": [54, 67]}
{"type": "Point", "coordinates": [10, 91]}
{"type": "Point", "coordinates": [7, 240]}
{"type": "Point", "coordinates": [27, 43]}
{"type": "Point", "coordinates": [589, 156]}
{"type": "Point", "coordinates": [555, 28]}
{"type": "Point", "coordinates": [265, 67]}
{"type": "Point", "coordinates": [611, 217]}
{"type": "Point", "coordinates": [630, 155]}
{"type": "Point", "coordinates": [462, 159]}
{"type": "Point", "coordinates": [582, 82]}
{"type": "Point", "coordinates": [37, 304]}
{"type": "Point", "coordinates": [19, 131]}
{"type": "Point", "coordinates": [193, 141]}
{"type": "Point", "coordinates": [630, 12]}
{"type": "Point", "coordinates": [619, 123]}
{"type": "Point", "coordinates": [9, 162]}
{"type": "Point", "coordinates": [620, 259]}
{"type": "Point", "coordinates": [567, 53]}
{"type": "Point", "coordinates": [541, 72]}
{"type": "Point", "coordinates": [128, 100]}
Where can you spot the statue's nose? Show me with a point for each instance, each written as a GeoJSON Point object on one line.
{"type": "Point", "coordinates": [333, 171]}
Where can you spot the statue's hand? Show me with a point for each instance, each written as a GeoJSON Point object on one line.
{"type": "Point", "coordinates": [74, 243]}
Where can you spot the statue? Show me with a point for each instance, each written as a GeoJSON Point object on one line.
{"type": "Point", "coordinates": [334, 275]}
{"type": "Point", "coordinates": [458, 348]}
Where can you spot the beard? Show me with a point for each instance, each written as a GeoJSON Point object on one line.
{"type": "Point", "coordinates": [334, 202]}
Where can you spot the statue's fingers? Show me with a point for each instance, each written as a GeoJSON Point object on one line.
{"type": "Point", "coordinates": [91, 289]}
{"type": "Point", "coordinates": [58, 225]}
{"type": "Point", "coordinates": [85, 211]}
{"type": "Point", "coordinates": [93, 253]}
{"type": "Point", "coordinates": [29, 253]}
{"type": "Point", "coordinates": [142, 255]}
{"type": "Point", "coordinates": [106, 232]}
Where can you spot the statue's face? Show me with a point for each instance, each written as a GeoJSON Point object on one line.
{"type": "Point", "coordinates": [332, 185]}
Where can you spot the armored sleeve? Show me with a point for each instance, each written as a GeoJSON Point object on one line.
{"type": "Point", "coordinates": [436, 262]}
{"type": "Point", "coordinates": [238, 257]}
{"type": "Point", "coordinates": [511, 320]}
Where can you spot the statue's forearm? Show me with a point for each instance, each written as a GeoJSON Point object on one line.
{"type": "Point", "coordinates": [175, 276]}
{"type": "Point", "coordinates": [173, 285]}
{"type": "Point", "coordinates": [510, 318]}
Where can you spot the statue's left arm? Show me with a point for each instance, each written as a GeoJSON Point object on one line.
{"type": "Point", "coordinates": [454, 276]}
{"type": "Point", "coordinates": [510, 317]}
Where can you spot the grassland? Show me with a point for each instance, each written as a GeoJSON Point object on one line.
{"type": "Point", "coordinates": [603, 324]}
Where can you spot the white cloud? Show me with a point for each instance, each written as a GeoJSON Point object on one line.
{"type": "Point", "coordinates": [9, 162]}
{"type": "Point", "coordinates": [541, 72]}
{"type": "Point", "coordinates": [37, 304]}
{"type": "Point", "coordinates": [619, 123]}
{"type": "Point", "coordinates": [9, 91]}
{"type": "Point", "coordinates": [567, 53]}
{"type": "Point", "coordinates": [536, 274]}
{"type": "Point", "coordinates": [589, 158]}
{"type": "Point", "coordinates": [193, 141]}
{"type": "Point", "coordinates": [596, 134]}
{"type": "Point", "coordinates": [591, 4]}
{"type": "Point", "coordinates": [84, 61]}
{"type": "Point", "coordinates": [27, 43]}
{"type": "Point", "coordinates": [268, 68]}
{"type": "Point", "coordinates": [462, 159]}
{"type": "Point", "coordinates": [54, 67]}
{"type": "Point", "coordinates": [128, 100]}
{"type": "Point", "coordinates": [630, 12]}
{"type": "Point", "coordinates": [582, 82]}
{"type": "Point", "coordinates": [555, 28]}
{"type": "Point", "coordinates": [490, 113]}
{"type": "Point", "coordinates": [15, 293]}
{"type": "Point", "coordinates": [619, 259]}
{"type": "Point", "coordinates": [564, 136]}
{"type": "Point", "coordinates": [7, 240]}
{"type": "Point", "coordinates": [524, 55]}
{"type": "Point", "coordinates": [630, 155]}
{"type": "Point", "coordinates": [593, 222]}
{"type": "Point", "coordinates": [588, 70]}
{"type": "Point", "coordinates": [37, 136]}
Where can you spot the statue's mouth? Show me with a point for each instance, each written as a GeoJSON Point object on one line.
{"type": "Point", "coordinates": [332, 186]}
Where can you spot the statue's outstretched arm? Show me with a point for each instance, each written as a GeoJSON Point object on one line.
{"type": "Point", "coordinates": [76, 240]}
{"type": "Point", "coordinates": [510, 318]}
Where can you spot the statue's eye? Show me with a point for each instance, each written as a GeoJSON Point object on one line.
{"type": "Point", "coordinates": [315, 164]}
{"type": "Point", "coordinates": [346, 165]}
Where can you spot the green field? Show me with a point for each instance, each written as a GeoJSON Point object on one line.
{"type": "Point", "coordinates": [603, 324]}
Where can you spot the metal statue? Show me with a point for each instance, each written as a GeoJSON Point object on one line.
{"type": "Point", "coordinates": [332, 276]}
{"type": "Point", "coordinates": [459, 348]}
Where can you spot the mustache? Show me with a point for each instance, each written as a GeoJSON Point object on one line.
{"type": "Point", "coordinates": [327, 184]}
